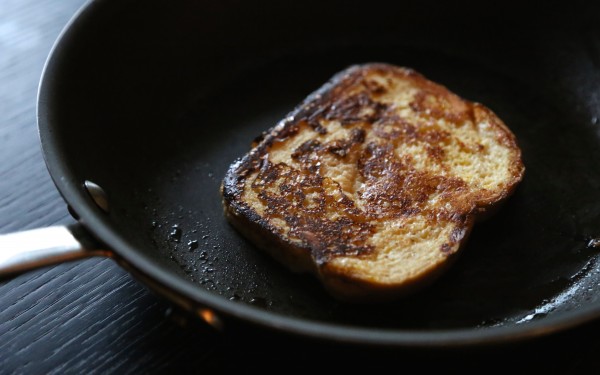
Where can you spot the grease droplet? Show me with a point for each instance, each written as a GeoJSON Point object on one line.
{"type": "Point", "coordinates": [491, 322]}
{"type": "Point", "coordinates": [260, 301]}
{"type": "Point", "coordinates": [533, 316]}
{"type": "Point", "coordinates": [175, 234]}
{"type": "Point", "coordinates": [193, 245]}
{"type": "Point", "coordinates": [594, 243]}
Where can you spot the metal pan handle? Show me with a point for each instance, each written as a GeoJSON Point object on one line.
{"type": "Point", "coordinates": [27, 250]}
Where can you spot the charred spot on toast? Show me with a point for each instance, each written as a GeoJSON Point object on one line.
{"type": "Point", "coordinates": [394, 188]}
{"type": "Point", "coordinates": [313, 209]}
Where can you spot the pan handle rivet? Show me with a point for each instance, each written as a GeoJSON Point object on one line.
{"type": "Point", "coordinates": [97, 194]}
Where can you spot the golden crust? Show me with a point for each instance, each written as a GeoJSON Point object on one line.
{"type": "Point", "coordinates": [374, 182]}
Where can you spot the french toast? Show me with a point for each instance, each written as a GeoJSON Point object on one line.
{"type": "Point", "coordinates": [374, 182]}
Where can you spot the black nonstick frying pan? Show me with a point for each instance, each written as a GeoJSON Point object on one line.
{"type": "Point", "coordinates": [144, 104]}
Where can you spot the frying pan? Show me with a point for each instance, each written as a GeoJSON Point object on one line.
{"type": "Point", "coordinates": [144, 104]}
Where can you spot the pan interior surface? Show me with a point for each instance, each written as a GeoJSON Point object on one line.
{"type": "Point", "coordinates": [148, 112]}
{"type": "Point", "coordinates": [522, 264]}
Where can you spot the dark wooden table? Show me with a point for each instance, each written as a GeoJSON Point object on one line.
{"type": "Point", "coordinates": [92, 317]}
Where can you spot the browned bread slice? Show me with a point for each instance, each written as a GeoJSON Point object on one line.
{"type": "Point", "coordinates": [374, 182]}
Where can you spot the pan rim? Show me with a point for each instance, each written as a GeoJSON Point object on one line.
{"type": "Point", "coordinates": [377, 336]}
{"type": "Point", "coordinates": [94, 221]}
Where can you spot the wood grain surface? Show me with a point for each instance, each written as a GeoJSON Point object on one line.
{"type": "Point", "coordinates": [90, 317]}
